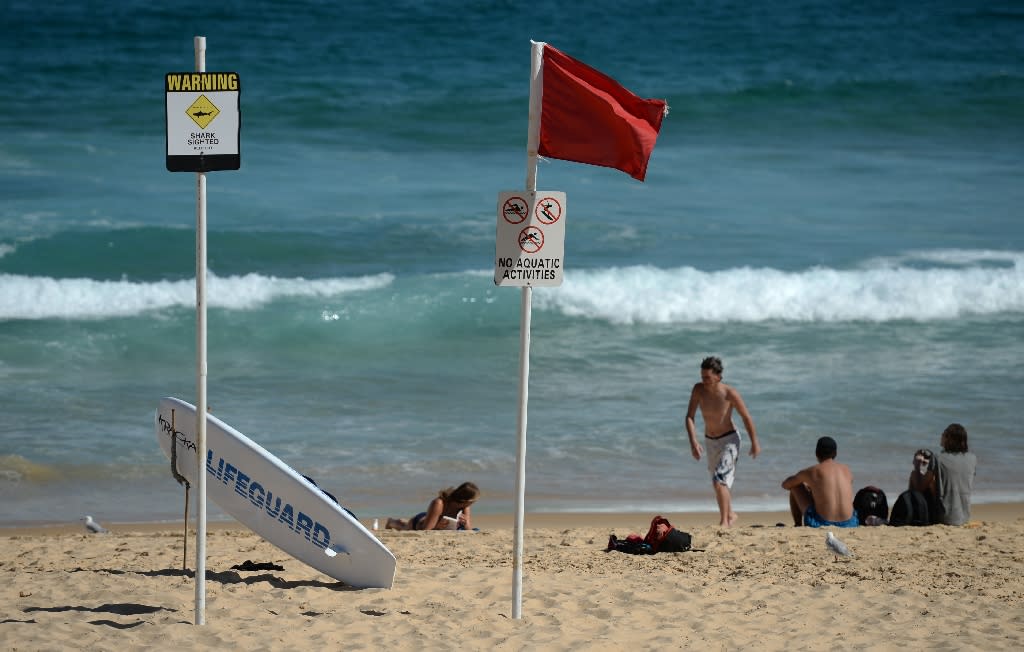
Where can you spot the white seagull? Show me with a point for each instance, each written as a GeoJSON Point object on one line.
{"type": "Point", "coordinates": [836, 547]}
{"type": "Point", "coordinates": [93, 526]}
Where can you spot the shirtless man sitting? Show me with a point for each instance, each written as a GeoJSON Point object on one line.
{"type": "Point", "coordinates": [822, 495]}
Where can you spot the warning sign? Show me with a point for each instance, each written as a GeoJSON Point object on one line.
{"type": "Point", "coordinates": [530, 241]}
{"type": "Point", "coordinates": [203, 121]}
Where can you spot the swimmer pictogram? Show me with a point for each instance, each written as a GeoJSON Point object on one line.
{"type": "Point", "coordinates": [515, 210]}
{"type": "Point", "coordinates": [531, 239]}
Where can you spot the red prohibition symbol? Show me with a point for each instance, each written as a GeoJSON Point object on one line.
{"type": "Point", "coordinates": [514, 210]}
{"type": "Point", "coordinates": [548, 210]}
{"type": "Point", "coordinates": [531, 239]}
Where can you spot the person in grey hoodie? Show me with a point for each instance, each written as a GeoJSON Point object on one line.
{"type": "Point", "coordinates": [956, 470]}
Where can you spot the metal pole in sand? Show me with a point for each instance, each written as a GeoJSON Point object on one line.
{"type": "Point", "coordinates": [525, 310]}
{"type": "Point", "coordinates": [200, 608]}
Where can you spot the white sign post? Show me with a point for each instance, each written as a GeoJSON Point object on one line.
{"type": "Point", "coordinates": [531, 223]}
{"type": "Point", "coordinates": [203, 133]}
{"type": "Point", "coordinates": [530, 242]}
{"type": "Point", "coordinates": [529, 239]}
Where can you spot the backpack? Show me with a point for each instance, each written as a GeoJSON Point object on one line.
{"type": "Point", "coordinates": [936, 510]}
{"type": "Point", "coordinates": [870, 501]}
{"type": "Point", "coordinates": [663, 537]}
{"type": "Point", "coordinates": [910, 508]}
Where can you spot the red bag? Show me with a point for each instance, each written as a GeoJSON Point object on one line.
{"type": "Point", "coordinates": [662, 537]}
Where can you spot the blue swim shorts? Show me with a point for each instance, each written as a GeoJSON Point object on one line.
{"type": "Point", "coordinates": [812, 519]}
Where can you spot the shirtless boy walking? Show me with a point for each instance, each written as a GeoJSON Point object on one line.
{"type": "Point", "coordinates": [716, 402]}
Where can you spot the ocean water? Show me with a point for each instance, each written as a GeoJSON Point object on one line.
{"type": "Point", "coordinates": [834, 207]}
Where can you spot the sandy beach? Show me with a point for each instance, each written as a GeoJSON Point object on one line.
{"type": "Point", "coordinates": [754, 586]}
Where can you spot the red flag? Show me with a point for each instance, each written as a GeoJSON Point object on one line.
{"type": "Point", "coordinates": [587, 117]}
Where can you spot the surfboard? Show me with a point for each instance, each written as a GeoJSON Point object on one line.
{"type": "Point", "coordinates": [273, 500]}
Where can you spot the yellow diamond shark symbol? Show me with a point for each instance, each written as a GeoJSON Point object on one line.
{"type": "Point", "coordinates": [202, 111]}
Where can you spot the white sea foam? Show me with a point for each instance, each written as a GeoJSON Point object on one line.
{"type": "Point", "coordinates": [951, 284]}
{"type": "Point", "coordinates": [949, 257]}
{"type": "Point", "coordinates": [31, 297]}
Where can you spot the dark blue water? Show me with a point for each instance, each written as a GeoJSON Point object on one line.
{"type": "Point", "coordinates": [833, 206]}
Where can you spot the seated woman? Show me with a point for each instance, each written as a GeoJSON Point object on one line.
{"type": "Point", "coordinates": [453, 503]}
{"type": "Point", "coordinates": [956, 469]}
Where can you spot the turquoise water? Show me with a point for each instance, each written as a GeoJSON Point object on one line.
{"type": "Point", "coordinates": [833, 206]}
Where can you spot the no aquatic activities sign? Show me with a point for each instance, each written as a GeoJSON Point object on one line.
{"type": "Point", "coordinates": [203, 121]}
{"type": "Point", "coordinates": [530, 242]}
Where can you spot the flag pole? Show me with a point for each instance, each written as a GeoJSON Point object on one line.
{"type": "Point", "coordinates": [200, 597]}
{"type": "Point", "coordinates": [532, 143]}
{"type": "Point", "coordinates": [536, 95]}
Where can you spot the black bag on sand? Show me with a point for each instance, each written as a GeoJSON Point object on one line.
{"type": "Point", "coordinates": [676, 541]}
{"type": "Point", "coordinates": [663, 537]}
{"type": "Point", "coordinates": [910, 508]}
{"type": "Point", "coordinates": [871, 501]}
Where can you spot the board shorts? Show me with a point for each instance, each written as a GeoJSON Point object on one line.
{"type": "Point", "coordinates": [813, 519]}
{"type": "Point", "coordinates": [723, 452]}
